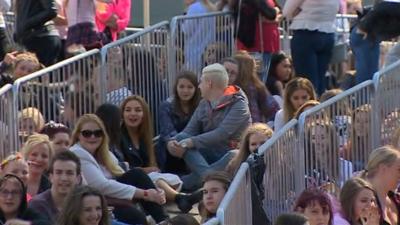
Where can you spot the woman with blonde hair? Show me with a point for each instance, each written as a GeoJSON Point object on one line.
{"type": "Point", "coordinates": [297, 92]}
{"type": "Point", "coordinates": [383, 173]}
{"type": "Point", "coordinates": [31, 120]}
{"type": "Point", "coordinates": [38, 152]}
{"type": "Point", "coordinates": [101, 170]}
{"type": "Point", "coordinates": [255, 135]}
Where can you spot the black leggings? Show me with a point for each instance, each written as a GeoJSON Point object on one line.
{"type": "Point", "coordinates": [139, 179]}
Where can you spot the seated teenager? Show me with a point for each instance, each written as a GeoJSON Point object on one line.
{"type": "Point", "coordinates": [59, 135]}
{"type": "Point", "coordinates": [206, 141]}
{"type": "Point", "coordinates": [13, 203]}
{"type": "Point", "coordinates": [84, 206]}
{"type": "Point", "coordinates": [37, 152]}
{"type": "Point", "coordinates": [65, 170]}
{"type": "Point", "coordinates": [138, 150]}
{"type": "Point", "coordinates": [101, 170]}
{"type": "Point", "coordinates": [215, 186]}
{"type": "Point", "coordinates": [175, 113]}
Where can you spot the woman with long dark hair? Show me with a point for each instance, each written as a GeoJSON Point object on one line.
{"type": "Point", "coordinates": [84, 206]}
{"type": "Point", "coordinates": [175, 114]}
{"type": "Point", "coordinates": [262, 105]}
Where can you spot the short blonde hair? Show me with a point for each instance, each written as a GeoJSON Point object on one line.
{"type": "Point", "coordinates": [34, 114]}
{"type": "Point", "coordinates": [36, 139]}
{"type": "Point", "coordinates": [386, 155]}
{"type": "Point", "coordinates": [216, 73]}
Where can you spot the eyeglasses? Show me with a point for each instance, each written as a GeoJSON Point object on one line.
{"type": "Point", "coordinates": [89, 133]}
{"type": "Point", "coordinates": [5, 193]}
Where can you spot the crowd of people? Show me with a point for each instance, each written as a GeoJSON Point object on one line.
{"type": "Point", "coordinates": [109, 167]}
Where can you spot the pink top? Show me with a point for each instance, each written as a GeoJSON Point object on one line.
{"type": "Point", "coordinates": [121, 8]}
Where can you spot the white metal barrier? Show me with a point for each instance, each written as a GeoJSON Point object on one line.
{"type": "Point", "coordinates": [283, 180]}
{"type": "Point", "coordinates": [236, 207]}
{"type": "Point", "coordinates": [336, 136]}
{"type": "Point", "coordinates": [61, 92]}
{"type": "Point", "coordinates": [387, 110]}
{"type": "Point", "coordinates": [200, 40]}
{"type": "Point", "coordinates": [138, 64]}
{"type": "Point", "coordinates": [6, 121]}
{"type": "Point", "coordinates": [212, 221]}
{"type": "Point", "coordinates": [9, 19]}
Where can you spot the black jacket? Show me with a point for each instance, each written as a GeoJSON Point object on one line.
{"type": "Point", "coordinates": [32, 16]}
{"type": "Point", "coordinates": [382, 22]}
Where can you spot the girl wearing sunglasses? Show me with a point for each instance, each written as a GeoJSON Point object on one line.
{"type": "Point", "coordinates": [101, 170]}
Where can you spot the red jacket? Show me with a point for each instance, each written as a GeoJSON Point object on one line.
{"type": "Point", "coordinates": [270, 35]}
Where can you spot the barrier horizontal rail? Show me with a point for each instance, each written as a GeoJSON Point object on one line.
{"type": "Point", "coordinates": [236, 206]}
{"type": "Point", "coordinates": [283, 176]}
{"type": "Point", "coordinates": [61, 92]}
{"type": "Point", "coordinates": [6, 121]}
{"type": "Point", "coordinates": [138, 64]}
{"type": "Point", "coordinates": [336, 137]}
{"type": "Point", "coordinates": [9, 19]}
{"type": "Point", "coordinates": [212, 221]}
{"type": "Point", "coordinates": [387, 111]}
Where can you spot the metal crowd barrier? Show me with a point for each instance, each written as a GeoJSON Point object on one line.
{"type": "Point", "coordinates": [387, 110]}
{"type": "Point", "coordinates": [138, 64]}
{"type": "Point", "coordinates": [200, 40]}
{"type": "Point", "coordinates": [283, 180]}
{"type": "Point", "coordinates": [6, 121]}
{"type": "Point", "coordinates": [236, 207]}
{"type": "Point", "coordinates": [336, 137]}
{"type": "Point", "coordinates": [212, 221]}
{"type": "Point", "coordinates": [62, 92]}
{"type": "Point", "coordinates": [9, 19]}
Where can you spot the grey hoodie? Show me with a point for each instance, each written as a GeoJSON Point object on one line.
{"type": "Point", "coordinates": [219, 128]}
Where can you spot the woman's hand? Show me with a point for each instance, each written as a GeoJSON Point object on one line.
{"type": "Point", "coordinates": [370, 216]}
{"type": "Point", "coordinates": [154, 195]}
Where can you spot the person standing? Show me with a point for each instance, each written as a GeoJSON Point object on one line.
{"type": "Point", "coordinates": [313, 25]}
{"type": "Point", "coordinates": [35, 29]}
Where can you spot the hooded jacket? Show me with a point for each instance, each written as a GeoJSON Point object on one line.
{"type": "Point", "coordinates": [220, 126]}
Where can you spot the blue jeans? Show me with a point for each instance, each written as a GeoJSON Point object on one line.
{"type": "Point", "coordinates": [366, 53]}
{"type": "Point", "coordinates": [266, 60]}
{"type": "Point", "coordinates": [200, 167]}
{"type": "Point", "coordinates": [312, 52]}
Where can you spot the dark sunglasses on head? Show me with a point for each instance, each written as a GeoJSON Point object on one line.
{"type": "Point", "coordinates": [89, 133]}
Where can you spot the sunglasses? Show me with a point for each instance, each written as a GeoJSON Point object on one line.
{"type": "Point", "coordinates": [89, 133]}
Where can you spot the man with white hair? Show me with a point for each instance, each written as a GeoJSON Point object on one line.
{"type": "Point", "coordinates": [215, 127]}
